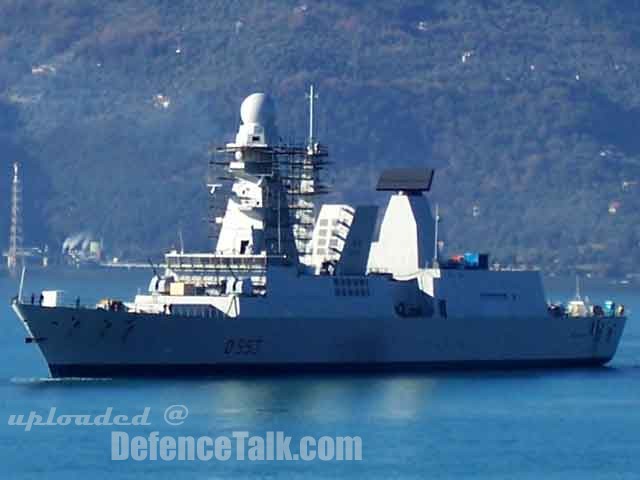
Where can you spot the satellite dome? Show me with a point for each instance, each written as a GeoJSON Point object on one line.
{"type": "Point", "coordinates": [257, 108]}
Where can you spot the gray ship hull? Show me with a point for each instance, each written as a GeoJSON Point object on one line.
{"type": "Point", "coordinates": [177, 370]}
{"type": "Point", "coordinates": [98, 343]}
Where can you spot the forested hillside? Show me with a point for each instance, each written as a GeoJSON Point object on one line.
{"type": "Point", "coordinates": [529, 109]}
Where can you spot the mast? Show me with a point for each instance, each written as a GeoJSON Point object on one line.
{"type": "Point", "coordinates": [257, 216]}
{"type": "Point", "coordinates": [304, 185]}
{"type": "Point", "coordinates": [311, 96]}
{"type": "Point", "coordinates": [435, 241]}
{"type": "Point", "coordinates": [181, 239]}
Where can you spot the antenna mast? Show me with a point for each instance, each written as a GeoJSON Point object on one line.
{"type": "Point", "coordinates": [304, 184]}
{"type": "Point", "coordinates": [181, 240]}
{"type": "Point", "coordinates": [15, 231]}
{"type": "Point", "coordinates": [311, 96]}
{"type": "Point", "coordinates": [435, 242]}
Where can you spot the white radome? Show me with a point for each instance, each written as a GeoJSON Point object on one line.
{"type": "Point", "coordinates": [255, 109]}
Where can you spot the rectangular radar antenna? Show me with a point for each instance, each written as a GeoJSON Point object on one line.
{"type": "Point", "coordinates": [406, 180]}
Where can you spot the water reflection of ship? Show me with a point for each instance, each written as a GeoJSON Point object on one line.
{"type": "Point", "coordinates": [330, 398]}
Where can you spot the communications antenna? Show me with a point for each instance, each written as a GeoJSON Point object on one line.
{"type": "Point", "coordinates": [311, 96]}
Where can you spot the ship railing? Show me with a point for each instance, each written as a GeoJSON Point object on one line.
{"type": "Point", "coordinates": [114, 305]}
{"type": "Point", "coordinates": [215, 262]}
{"type": "Point", "coordinates": [276, 150]}
{"type": "Point", "coordinates": [212, 279]}
{"type": "Point", "coordinates": [67, 300]}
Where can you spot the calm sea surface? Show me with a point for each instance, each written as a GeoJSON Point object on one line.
{"type": "Point", "coordinates": [569, 424]}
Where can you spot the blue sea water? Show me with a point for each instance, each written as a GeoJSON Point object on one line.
{"type": "Point", "coordinates": [552, 424]}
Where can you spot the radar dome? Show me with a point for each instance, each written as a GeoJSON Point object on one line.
{"type": "Point", "coordinates": [257, 108]}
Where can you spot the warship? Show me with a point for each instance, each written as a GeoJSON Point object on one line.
{"type": "Point", "coordinates": [290, 287]}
